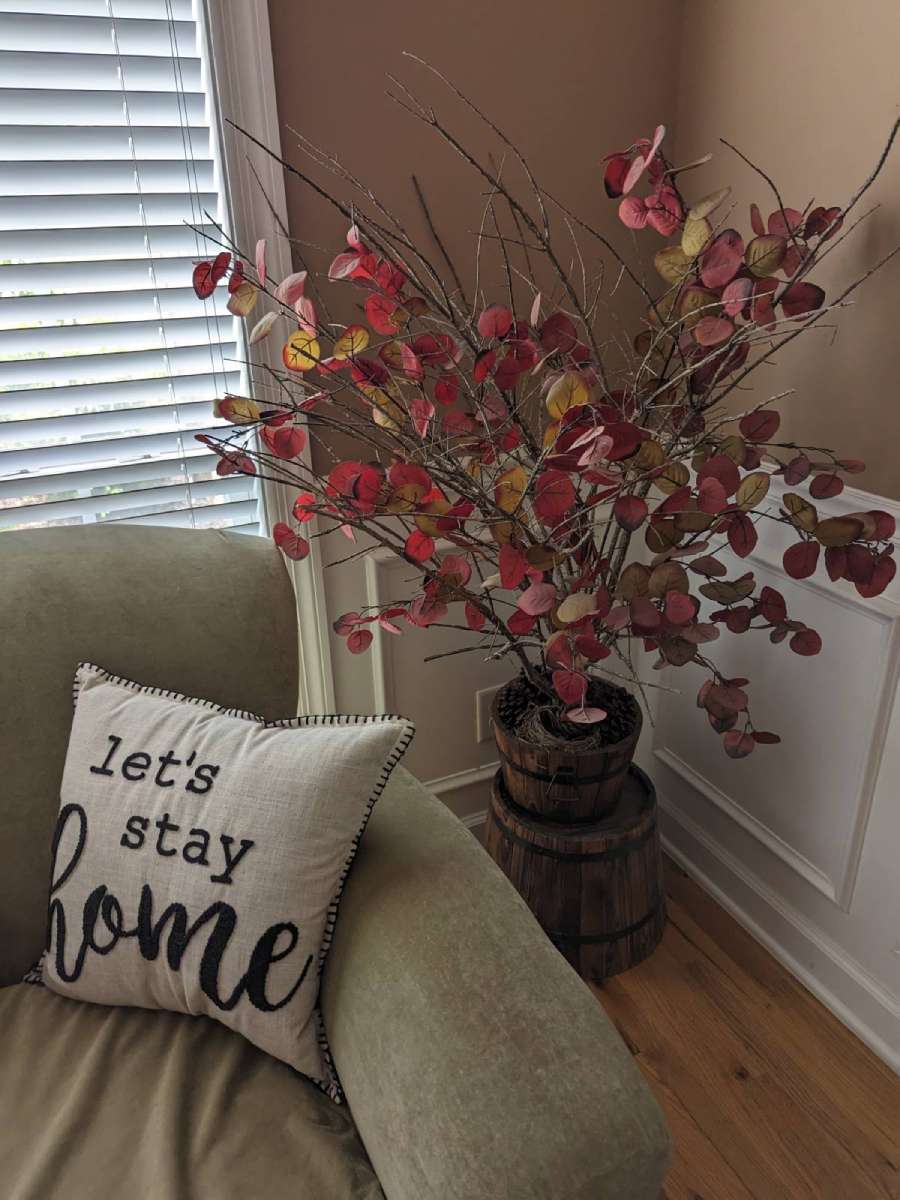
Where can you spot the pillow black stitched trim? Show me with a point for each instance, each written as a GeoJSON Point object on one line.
{"type": "Point", "coordinates": [331, 1084]}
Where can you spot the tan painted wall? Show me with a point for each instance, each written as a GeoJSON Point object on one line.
{"type": "Point", "coordinates": [808, 90]}
{"type": "Point", "coordinates": [568, 82]}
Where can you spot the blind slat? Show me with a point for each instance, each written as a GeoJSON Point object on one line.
{"type": "Point", "coordinates": [108, 361]}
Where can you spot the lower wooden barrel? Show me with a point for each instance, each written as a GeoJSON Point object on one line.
{"type": "Point", "coordinates": [596, 887]}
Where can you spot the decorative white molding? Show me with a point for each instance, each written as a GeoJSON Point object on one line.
{"type": "Point", "coordinates": [463, 779]}
{"type": "Point", "coordinates": [756, 828]}
{"type": "Point", "coordinates": [241, 63]}
{"type": "Point", "coordinates": [852, 993]}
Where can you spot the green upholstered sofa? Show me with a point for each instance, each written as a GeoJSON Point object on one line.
{"type": "Point", "coordinates": [477, 1065]}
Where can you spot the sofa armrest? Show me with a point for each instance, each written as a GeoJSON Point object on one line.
{"type": "Point", "coordinates": [477, 1065]}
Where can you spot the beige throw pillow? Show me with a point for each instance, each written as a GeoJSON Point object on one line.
{"type": "Point", "coordinates": [200, 854]}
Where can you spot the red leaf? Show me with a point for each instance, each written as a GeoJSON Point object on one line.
{"type": "Point", "coordinates": [885, 524]}
{"type": "Point", "coordinates": [630, 511]}
{"type": "Point", "coordinates": [484, 363]}
{"type": "Point", "coordinates": [558, 334]}
{"type": "Point", "coordinates": [513, 566]}
{"type": "Point", "coordinates": [736, 295]}
{"type": "Point", "coordinates": [860, 563]}
{"type": "Point", "coordinates": [521, 623]}
{"type": "Point", "coordinates": [722, 468]}
{"type": "Point", "coordinates": [645, 616]}
{"type": "Point", "coordinates": [763, 738]}
{"type": "Point", "coordinates": [558, 652]}
{"type": "Point", "coordinates": [446, 390]}
{"type": "Point", "coordinates": [772, 606]}
{"type": "Point", "coordinates": [303, 507]}
{"type": "Point", "coordinates": [742, 535]}
{"type": "Point", "coordinates": [806, 642]}
{"type": "Point", "coordinates": [590, 647]}
{"type": "Point", "coordinates": [203, 281]}
{"type": "Point", "coordinates": [760, 426]}
{"type": "Point", "coordinates": [756, 221]}
{"type": "Point", "coordinates": [884, 572]}
{"type": "Point", "coordinates": [737, 744]}
{"type": "Point", "coordinates": [421, 411]}
{"type": "Point", "coordinates": [291, 544]}
{"type": "Point", "coordinates": [801, 298]}
{"type": "Point", "coordinates": [797, 469]}
{"type": "Point", "coordinates": [419, 546]}
{"type": "Point", "coordinates": [570, 686]}
{"type": "Point", "coordinates": [538, 598]}
{"type": "Point", "coordinates": [800, 559]}
{"type": "Point", "coordinates": [359, 640]}
{"type": "Point", "coordinates": [823, 487]}
{"type": "Point", "coordinates": [474, 617]}
{"type": "Point", "coordinates": [680, 609]}
{"type": "Point", "coordinates": [711, 495]}
{"type": "Point", "coordinates": [495, 322]}
{"type": "Point", "coordinates": [554, 496]}
{"type": "Point", "coordinates": [285, 441]}
{"type": "Point", "coordinates": [380, 314]}
{"type": "Point", "coordinates": [836, 562]}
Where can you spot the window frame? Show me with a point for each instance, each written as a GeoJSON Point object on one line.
{"type": "Point", "coordinates": [239, 45]}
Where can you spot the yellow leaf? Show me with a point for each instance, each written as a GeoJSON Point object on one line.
{"type": "Point", "coordinates": [838, 531]}
{"type": "Point", "coordinates": [733, 447]}
{"type": "Point", "coordinates": [708, 204]}
{"type": "Point", "coordinates": [672, 264]}
{"type": "Point", "coordinates": [765, 255]}
{"type": "Point", "coordinates": [509, 488]}
{"type": "Point", "coordinates": [501, 532]}
{"type": "Point", "coordinates": [803, 514]}
{"type": "Point", "coordinates": [427, 521]}
{"type": "Point", "coordinates": [352, 341]}
{"type": "Point", "coordinates": [695, 304]}
{"type": "Point", "coordinates": [567, 392]}
{"type": "Point", "coordinates": [301, 351]}
{"type": "Point", "coordinates": [753, 490]}
{"type": "Point", "coordinates": [541, 557]}
{"type": "Point", "coordinates": [695, 235]}
{"type": "Point", "coordinates": [243, 299]}
{"type": "Point", "coordinates": [576, 606]}
{"type": "Point", "coordinates": [650, 454]}
{"type": "Point", "coordinates": [239, 410]}
{"type": "Point", "coordinates": [675, 475]}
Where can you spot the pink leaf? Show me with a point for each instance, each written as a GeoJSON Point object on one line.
{"type": "Point", "coordinates": [421, 412]}
{"type": "Point", "coordinates": [711, 495]}
{"type": "Point", "coordinates": [380, 312]}
{"type": "Point", "coordinates": [344, 265]}
{"type": "Point", "coordinates": [737, 744]}
{"type": "Point", "coordinates": [802, 298]}
{"type": "Point", "coordinates": [586, 716]}
{"type": "Point", "coordinates": [285, 441]}
{"type": "Point", "coordinates": [713, 331]}
{"type": "Point", "coordinates": [484, 363]}
{"type": "Point", "coordinates": [521, 623]}
{"type": "Point", "coordinates": [679, 608]}
{"type": "Point", "coordinates": [446, 390]}
{"type": "Point", "coordinates": [721, 260]}
{"type": "Point", "coordinates": [633, 212]}
{"type": "Point", "coordinates": [291, 288]}
{"type": "Point", "coordinates": [736, 295]}
{"type": "Point", "coordinates": [537, 599]}
{"type": "Point", "coordinates": [306, 313]}
{"type": "Point", "coordinates": [261, 261]}
{"type": "Point", "coordinates": [359, 640]}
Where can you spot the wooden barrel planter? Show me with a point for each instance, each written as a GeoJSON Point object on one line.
{"type": "Point", "coordinates": [578, 837]}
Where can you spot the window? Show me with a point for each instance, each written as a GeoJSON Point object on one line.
{"type": "Point", "coordinates": [108, 361]}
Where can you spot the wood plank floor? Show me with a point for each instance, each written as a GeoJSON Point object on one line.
{"type": "Point", "coordinates": [768, 1096]}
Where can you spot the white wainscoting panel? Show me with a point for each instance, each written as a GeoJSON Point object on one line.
{"type": "Point", "coordinates": [801, 841]}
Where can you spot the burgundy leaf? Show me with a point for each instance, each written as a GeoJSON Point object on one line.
{"type": "Point", "coordinates": [806, 642]}
{"type": "Point", "coordinates": [800, 559]}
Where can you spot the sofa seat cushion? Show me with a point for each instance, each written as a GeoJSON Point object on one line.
{"type": "Point", "coordinates": [127, 1104]}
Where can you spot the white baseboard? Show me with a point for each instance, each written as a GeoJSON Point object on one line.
{"type": "Point", "coordinates": [466, 792]}
{"type": "Point", "coordinates": [825, 968]}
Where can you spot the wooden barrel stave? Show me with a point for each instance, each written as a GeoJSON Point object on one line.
{"type": "Point", "coordinates": [564, 785]}
{"type": "Point", "coordinates": [595, 886]}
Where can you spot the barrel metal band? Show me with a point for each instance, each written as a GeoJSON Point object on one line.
{"type": "Point", "coordinates": [563, 774]}
{"type": "Point", "coordinates": [595, 939]}
{"type": "Point", "coordinates": [619, 851]}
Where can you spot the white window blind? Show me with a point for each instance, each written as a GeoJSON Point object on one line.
{"type": "Point", "coordinates": [108, 361]}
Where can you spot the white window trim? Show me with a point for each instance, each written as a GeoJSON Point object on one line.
{"type": "Point", "coordinates": [244, 81]}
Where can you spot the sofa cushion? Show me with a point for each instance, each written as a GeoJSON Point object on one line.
{"type": "Point", "coordinates": [127, 1104]}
